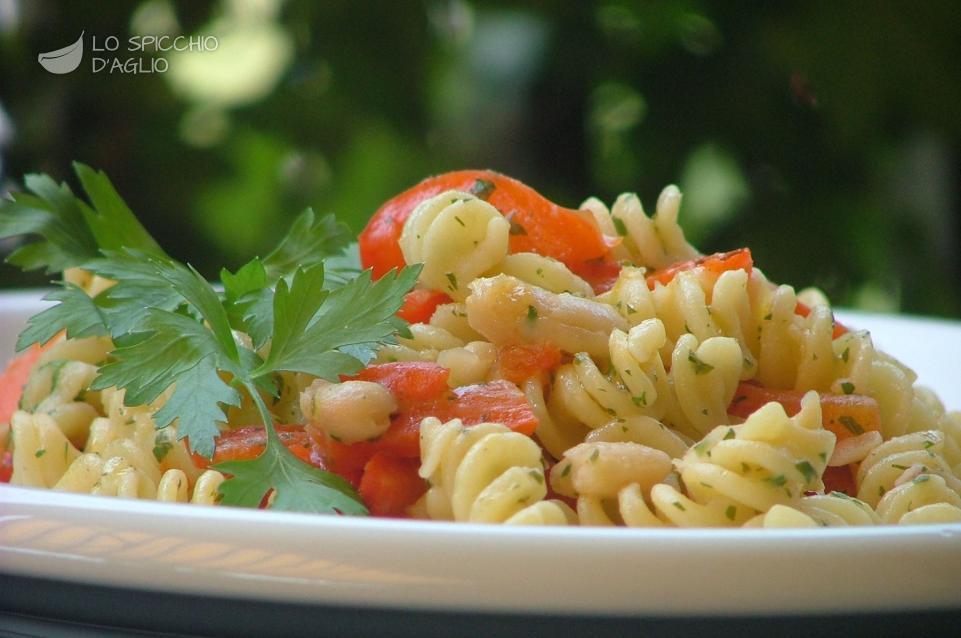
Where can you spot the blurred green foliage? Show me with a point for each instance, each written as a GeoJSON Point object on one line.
{"type": "Point", "coordinates": [824, 135]}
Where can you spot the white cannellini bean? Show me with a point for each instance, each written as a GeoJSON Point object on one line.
{"type": "Point", "coordinates": [507, 310]}
{"type": "Point", "coordinates": [855, 448]}
{"type": "Point", "coordinates": [348, 412]}
{"type": "Point", "coordinates": [601, 469]}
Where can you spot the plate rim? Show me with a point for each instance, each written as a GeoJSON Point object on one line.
{"type": "Point", "coordinates": [933, 552]}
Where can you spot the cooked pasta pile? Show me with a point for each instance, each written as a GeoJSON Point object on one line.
{"type": "Point", "coordinates": [684, 391]}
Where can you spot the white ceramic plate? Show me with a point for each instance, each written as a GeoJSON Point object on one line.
{"type": "Point", "coordinates": [273, 556]}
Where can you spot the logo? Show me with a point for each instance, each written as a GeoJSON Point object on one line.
{"type": "Point", "coordinates": [142, 53]}
{"type": "Point", "coordinates": [63, 60]}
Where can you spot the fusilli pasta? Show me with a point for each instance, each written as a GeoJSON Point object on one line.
{"type": "Point", "coordinates": [652, 242]}
{"type": "Point", "coordinates": [484, 474]}
{"type": "Point", "coordinates": [901, 460]}
{"type": "Point", "coordinates": [630, 353]}
{"type": "Point", "coordinates": [608, 479]}
{"type": "Point", "coordinates": [739, 471]}
{"type": "Point", "coordinates": [457, 237]}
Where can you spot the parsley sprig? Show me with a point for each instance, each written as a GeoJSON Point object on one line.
{"type": "Point", "coordinates": [305, 306]}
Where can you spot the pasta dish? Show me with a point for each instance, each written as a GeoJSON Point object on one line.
{"type": "Point", "coordinates": [479, 354]}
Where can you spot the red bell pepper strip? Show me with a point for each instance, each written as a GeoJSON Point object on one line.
{"type": "Point", "coordinates": [6, 467]}
{"type": "Point", "coordinates": [601, 273]}
{"type": "Point", "coordinates": [412, 383]}
{"type": "Point", "coordinates": [717, 263]}
{"type": "Point", "coordinates": [244, 444]}
{"type": "Point", "coordinates": [519, 362]}
{"type": "Point", "coordinates": [841, 479]}
{"type": "Point", "coordinates": [14, 378]}
{"type": "Point", "coordinates": [846, 415]}
{"type": "Point", "coordinates": [390, 485]}
{"type": "Point", "coordinates": [419, 305]}
{"type": "Point", "coordinates": [537, 224]}
{"type": "Point", "coordinates": [497, 401]}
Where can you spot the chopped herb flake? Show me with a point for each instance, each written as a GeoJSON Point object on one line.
{"type": "Point", "coordinates": [619, 226]}
{"type": "Point", "coordinates": [730, 512]}
{"type": "Point", "coordinates": [452, 278]}
{"type": "Point", "coordinates": [851, 424]}
{"type": "Point", "coordinates": [701, 447]}
{"type": "Point", "coordinates": [700, 367]}
{"type": "Point", "coordinates": [847, 387]}
{"type": "Point", "coordinates": [160, 450]}
{"type": "Point", "coordinates": [778, 480]}
{"type": "Point", "coordinates": [482, 188]}
{"type": "Point", "coordinates": [807, 471]}
{"type": "Point", "coordinates": [516, 228]}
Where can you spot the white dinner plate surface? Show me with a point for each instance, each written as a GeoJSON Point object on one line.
{"type": "Point", "coordinates": [278, 556]}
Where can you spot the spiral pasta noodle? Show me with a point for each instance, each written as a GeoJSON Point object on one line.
{"type": "Point", "coordinates": [951, 429]}
{"type": "Point", "coordinates": [818, 510]}
{"type": "Point", "coordinates": [112, 464]}
{"type": "Point", "coordinates": [737, 472]}
{"type": "Point", "coordinates": [894, 465]}
{"type": "Point", "coordinates": [780, 348]}
{"type": "Point", "coordinates": [905, 407]}
{"type": "Point", "coordinates": [468, 362]}
{"type": "Point", "coordinates": [120, 454]}
{"type": "Point", "coordinates": [926, 498]}
{"type": "Point", "coordinates": [728, 306]}
{"type": "Point", "coordinates": [544, 272]}
{"type": "Point", "coordinates": [692, 397]}
{"type": "Point", "coordinates": [54, 389]}
{"type": "Point", "coordinates": [41, 451]}
{"type": "Point", "coordinates": [630, 509]}
{"type": "Point", "coordinates": [457, 237]}
{"type": "Point", "coordinates": [609, 480]}
{"type": "Point", "coordinates": [838, 510]}
{"type": "Point", "coordinates": [57, 385]}
{"type": "Point", "coordinates": [484, 474]}
{"type": "Point", "coordinates": [652, 242]}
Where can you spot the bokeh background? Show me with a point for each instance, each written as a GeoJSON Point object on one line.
{"type": "Point", "coordinates": [825, 135]}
